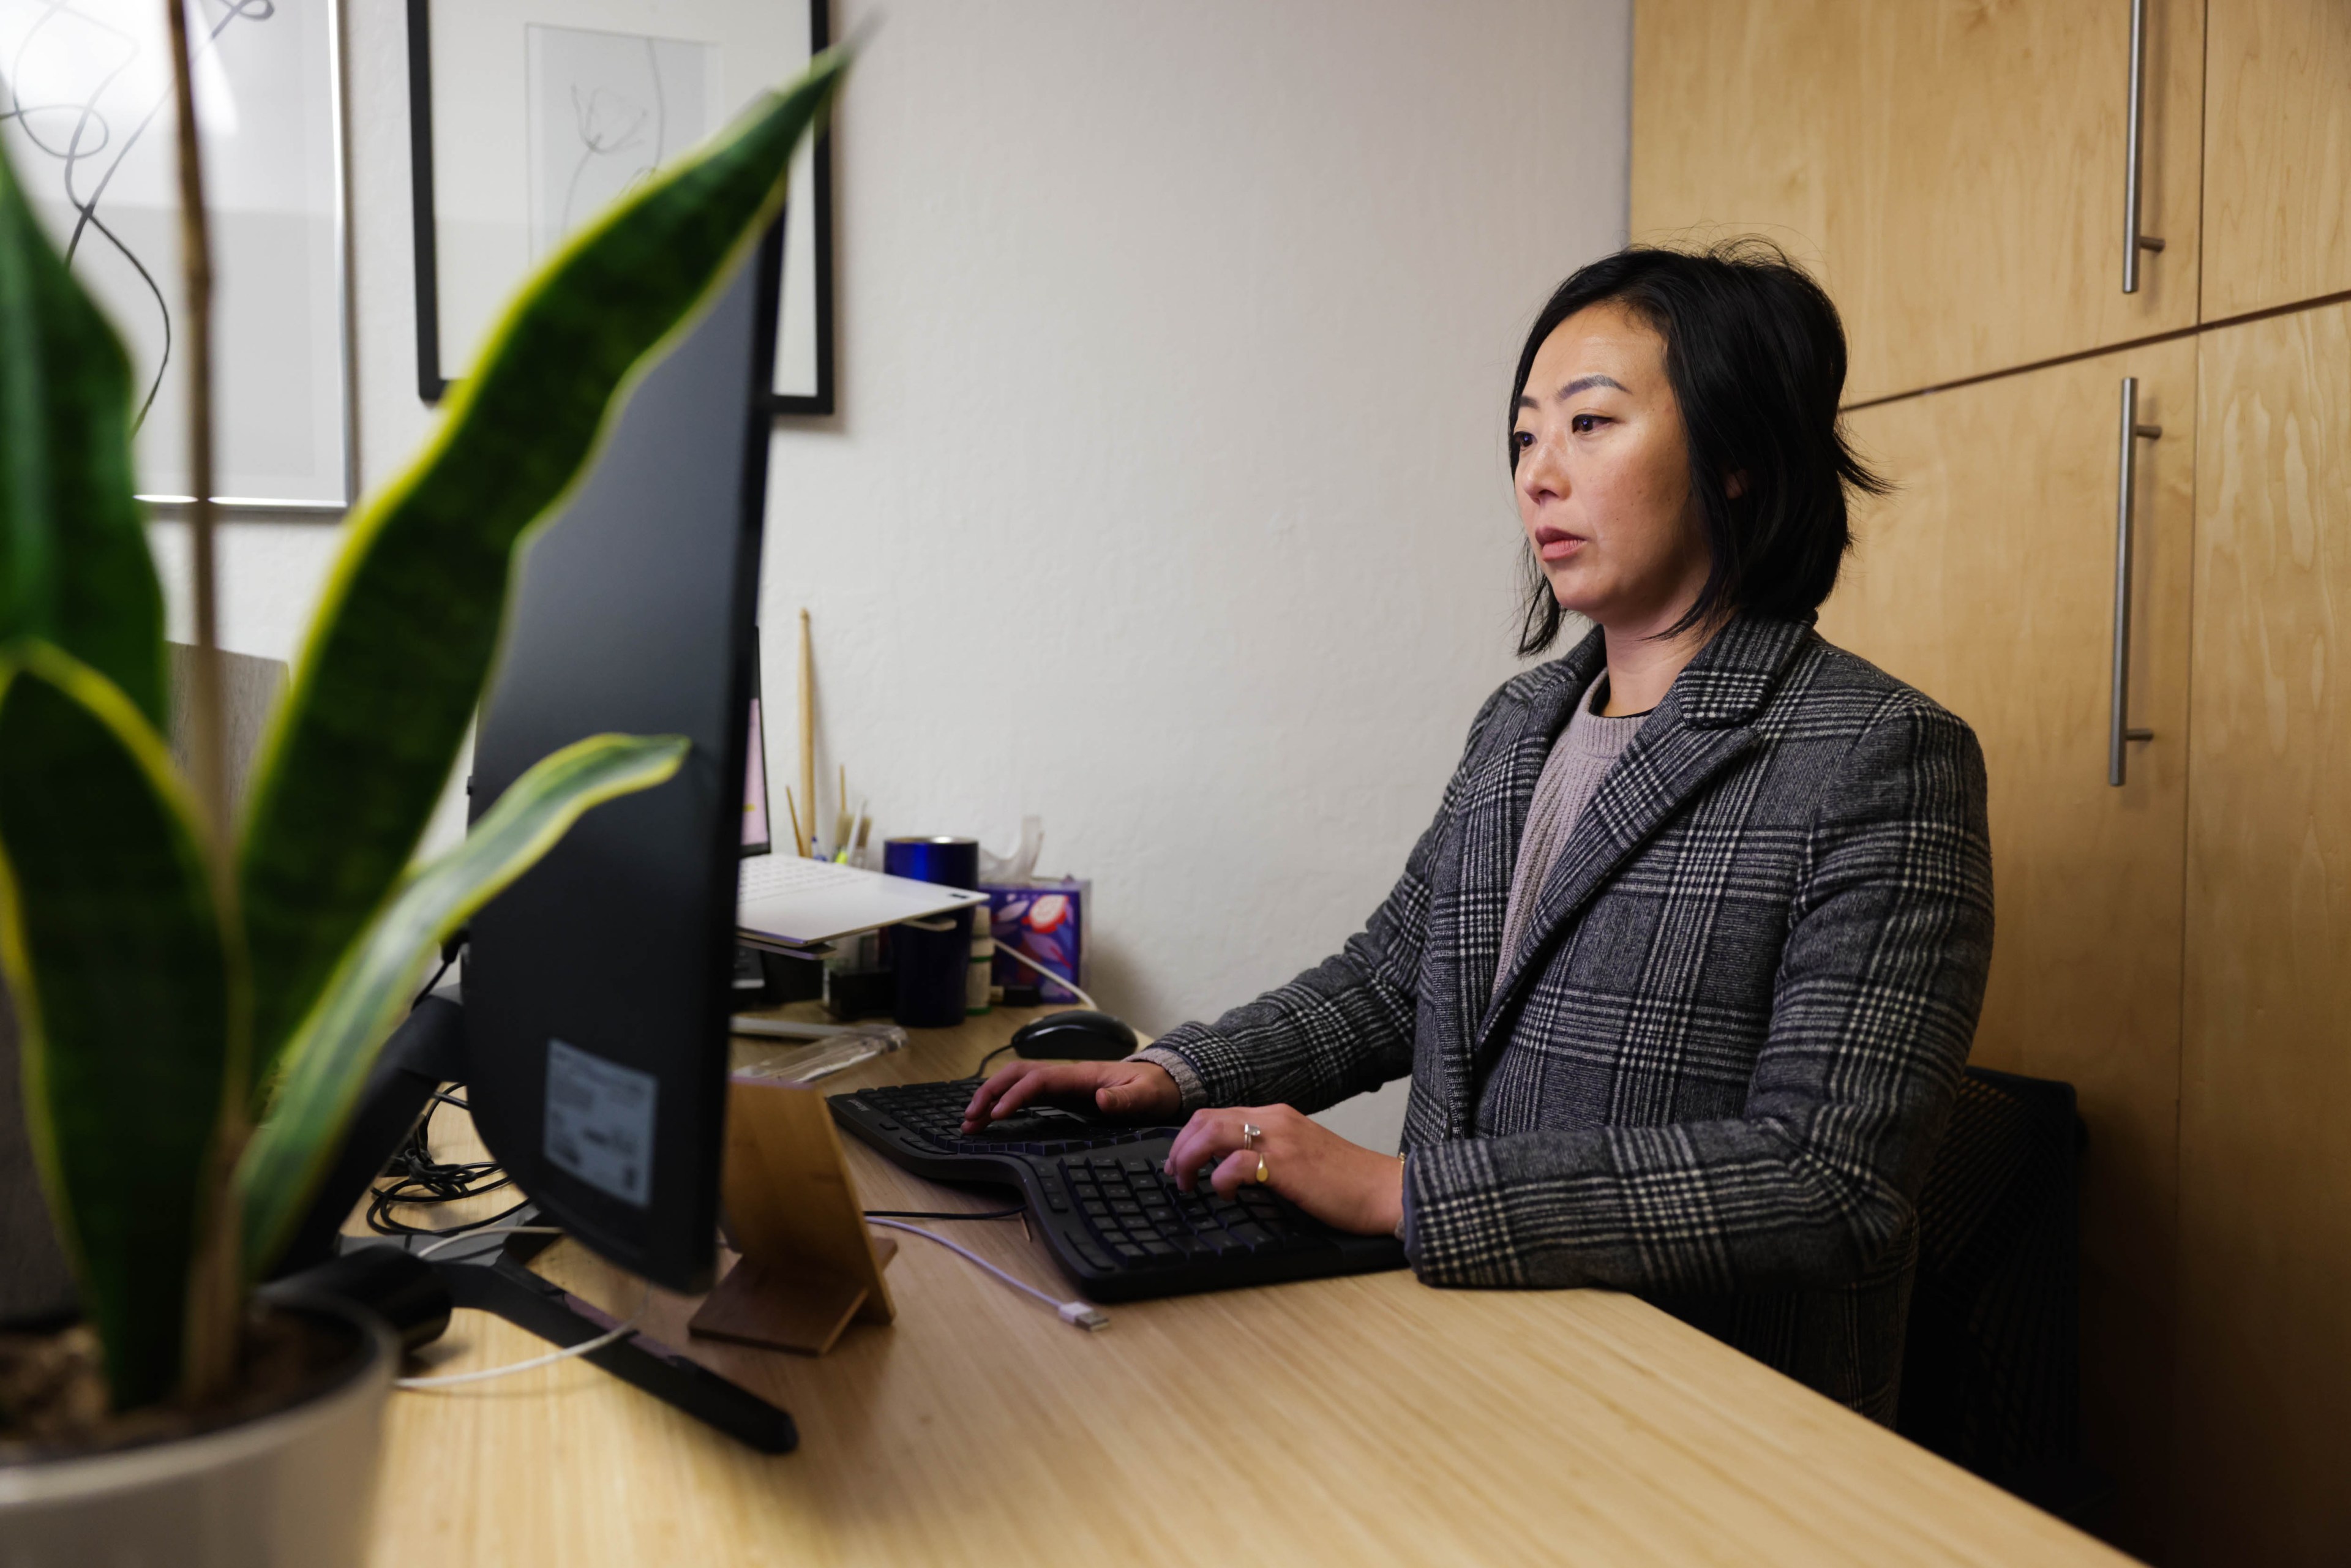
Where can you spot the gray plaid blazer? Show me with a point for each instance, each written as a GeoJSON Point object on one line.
{"type": "Point", "coordinates": [1716, 1070]}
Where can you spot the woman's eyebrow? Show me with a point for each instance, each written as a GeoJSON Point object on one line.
{"type": "Point", "coordinates": [1581, 384]}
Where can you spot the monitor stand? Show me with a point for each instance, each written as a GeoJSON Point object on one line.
{"type": "Point", "coordinates": [425, 1052]}
{"type": "Point", "coordinates": [809, 1268]}
{"type": "Point", "coordinates": [498, 1280]}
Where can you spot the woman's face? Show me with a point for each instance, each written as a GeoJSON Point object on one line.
{"type": "Point", "coordinates": [1603, 474]}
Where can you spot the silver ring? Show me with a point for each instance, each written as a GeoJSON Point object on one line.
{"type": "Point", "coordinates": [1250, 1134]}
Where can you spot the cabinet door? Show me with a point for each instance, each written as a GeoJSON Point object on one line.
{"type": "Point", "coordinates": [1954, 169]}
{"type": "Point", "coordinates": [2277, 153]}
{"type": "Point", "coordinates": [1988, 582]}
{"type": "Point", "coordinates": [2265, 1103]}
{"type": "Point", "coordinates": [1739, 109]}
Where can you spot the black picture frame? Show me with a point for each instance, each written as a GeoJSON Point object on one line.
{"type": "Point", "coordinates": [432, 386]}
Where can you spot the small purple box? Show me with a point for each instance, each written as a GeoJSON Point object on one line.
{"type": "Point", "coordinates": [1045, 920]}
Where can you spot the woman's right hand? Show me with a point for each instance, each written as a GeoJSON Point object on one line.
{"type": "Point", "coordinates": [1132, 1091]}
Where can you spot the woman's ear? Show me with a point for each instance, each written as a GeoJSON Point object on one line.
{"type": "Point", "coordinates": [1734, 484]}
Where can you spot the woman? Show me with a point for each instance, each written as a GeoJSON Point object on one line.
{"type": "Point", "coordinates": [1687, 967]}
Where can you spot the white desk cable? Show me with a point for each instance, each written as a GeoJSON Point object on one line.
{"type": "Point", "coordinates": [448, 1241]}
{"type": "Point", "coordinates": [566, 1354]}
{"type": "Point", "coordinates": [1005, 950]}
{"type": "Point", "coordinates": [1077, 1313]}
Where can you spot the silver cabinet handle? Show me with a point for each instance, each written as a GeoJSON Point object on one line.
{"type": "Point", "coordinates": [2118, 731]}
{"type": "Point", "coordinates": [2135, 165]}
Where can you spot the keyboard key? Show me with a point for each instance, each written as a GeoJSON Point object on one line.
{"type": "Point", "coordinates": [1161, 1251]}
{"type": "Point", "coordinates": [1092, 1255]}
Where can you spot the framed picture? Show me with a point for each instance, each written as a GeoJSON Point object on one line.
{"type": "Point", "coordinates": [88, 122]}
{"type": "Point", "coordinates": [529, 117]}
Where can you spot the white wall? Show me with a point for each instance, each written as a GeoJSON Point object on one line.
{"type": "Point", "coordinates": [1166, 499]}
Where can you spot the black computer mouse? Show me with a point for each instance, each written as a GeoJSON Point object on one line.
{"type": "Point", "coordinates": [1076, 1035]}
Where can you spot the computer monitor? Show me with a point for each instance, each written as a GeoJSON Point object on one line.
{"type": "Point", "coordinates": [596, 989]}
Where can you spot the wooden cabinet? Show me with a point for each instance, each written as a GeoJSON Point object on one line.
{"type": "Point", "coordinates": [1988, 580]}
{"type": "Point", "coordinates": [2266, 1124]}
{"type": "Point", "coordinates": [2277, 153]}
{"type": "Point", "coordinates": [1954, 169]}
{"type": "Point", "coordinates": [2179, 948]}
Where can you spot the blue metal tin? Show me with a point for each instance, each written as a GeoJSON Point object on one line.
{"type": "Point", "coordinates": [950, 862]}
{"type": "Point", "coordinates": [931, 964]}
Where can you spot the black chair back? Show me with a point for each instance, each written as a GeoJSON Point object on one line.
{"type": "Point", "coordinates": [1991, 1367]}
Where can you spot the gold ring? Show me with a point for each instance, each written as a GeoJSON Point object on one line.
{"type": "Point", "coordinates": [1261, 1176]}
{"type": "Point", "coordinates": [1250, 1134]}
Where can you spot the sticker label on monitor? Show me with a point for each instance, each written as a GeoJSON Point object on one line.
{"type": "Point", "coordinates": [600, 1123]}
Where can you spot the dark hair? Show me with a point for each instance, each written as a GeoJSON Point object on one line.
{"type": "Point", "coordinates": [1755, 355]}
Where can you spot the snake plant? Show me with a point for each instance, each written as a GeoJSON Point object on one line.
{"type": "Point", "coordinates": [197, 1017]}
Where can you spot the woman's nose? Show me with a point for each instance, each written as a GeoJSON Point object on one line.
{"type": "Point", "coordinates": [1540, 472]}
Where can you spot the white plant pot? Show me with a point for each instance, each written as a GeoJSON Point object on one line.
{"type": "Point", "coordinates": [291, 1490]}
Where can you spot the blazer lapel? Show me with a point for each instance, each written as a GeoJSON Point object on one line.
{"type": "Point", "coordinates": [1703, 725]}
{"type": "Point", "coordinates": [1493, 815]}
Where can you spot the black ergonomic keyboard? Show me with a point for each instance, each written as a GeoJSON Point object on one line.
{"type": "Point", "coordinates": [1117, 1223]}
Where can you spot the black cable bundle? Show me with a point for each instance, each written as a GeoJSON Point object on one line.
{"type": "Point", "coordinates": [418, 1179]}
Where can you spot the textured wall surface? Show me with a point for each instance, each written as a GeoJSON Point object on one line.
{"type": "Point", "coordinates": [1166, 500]}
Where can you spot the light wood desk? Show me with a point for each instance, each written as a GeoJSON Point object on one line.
{"type": "Point", "coordinates": [1363, 1420]}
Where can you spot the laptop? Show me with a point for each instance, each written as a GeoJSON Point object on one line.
{"type": "Point", "coordinates": [787, 903]}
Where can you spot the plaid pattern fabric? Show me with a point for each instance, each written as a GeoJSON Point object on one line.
{"type": "Point", "coordinates": [1716, 1068]}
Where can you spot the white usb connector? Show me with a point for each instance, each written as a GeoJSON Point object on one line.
{"type": "Point", "coordinates": [1077, 1314]}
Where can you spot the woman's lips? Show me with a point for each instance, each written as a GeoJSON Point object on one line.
{"type": "Point", "coordinates": [1556, 544]}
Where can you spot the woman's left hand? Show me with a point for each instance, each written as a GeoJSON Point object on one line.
{"type": "Point", "coordinates": [1343, 1184]}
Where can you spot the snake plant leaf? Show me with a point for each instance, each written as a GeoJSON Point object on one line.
{"type": "Point", "coordinates": [396, 659]}
{"type": "Point", "coordinates": [74, 565]}
{"type": "Point", "coordinates": [332, 1053]}
{"type": "Point", "coordinates": [124, 979]}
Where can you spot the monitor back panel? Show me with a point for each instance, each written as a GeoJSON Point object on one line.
{"type": "Point", "coordinates": [597, 986]}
